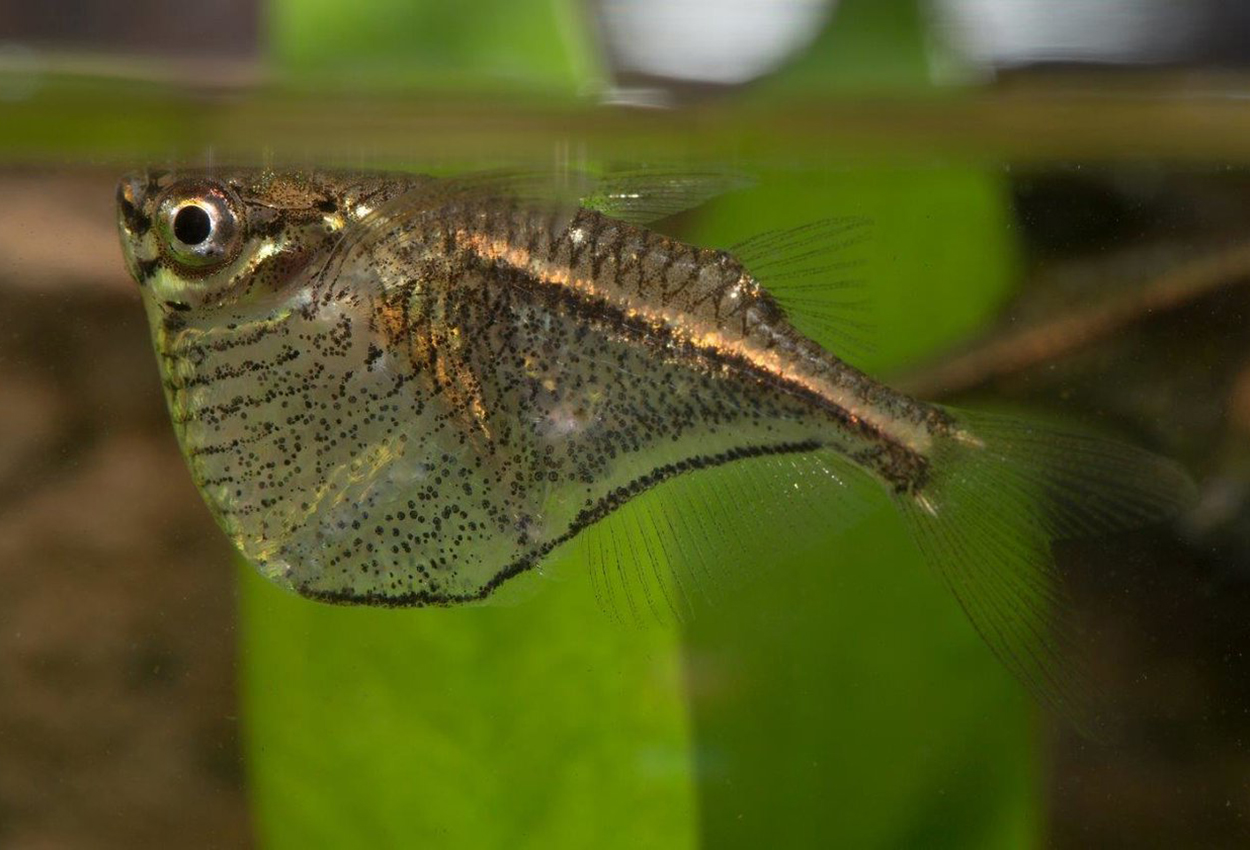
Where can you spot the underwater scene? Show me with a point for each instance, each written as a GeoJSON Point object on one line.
{"type": "Point", "coordinates": [624, 423]}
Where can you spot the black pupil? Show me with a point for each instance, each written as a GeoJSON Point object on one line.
{"type": "Point", "coordinates": [192, 225]}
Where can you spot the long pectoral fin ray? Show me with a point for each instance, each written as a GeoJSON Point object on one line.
{"type": "Point", "coordinates": [682, 544]}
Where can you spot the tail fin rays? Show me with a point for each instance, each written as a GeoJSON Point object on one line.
{"type": "Point", "coordinates": [999, 493]}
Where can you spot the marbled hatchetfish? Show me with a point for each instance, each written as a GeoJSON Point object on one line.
{"type": "Point", "coordinates": [395, 389]}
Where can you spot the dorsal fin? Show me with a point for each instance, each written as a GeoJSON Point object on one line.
{"type": "Point", "coordinates": [813, 270]}
{"type": "Point", "coordinates": [635, 195]}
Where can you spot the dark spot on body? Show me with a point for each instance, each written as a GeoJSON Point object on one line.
{"type": "Point", "coordinates": [134, 218]}
{"type": "Point", "coordinates": [145, 269]}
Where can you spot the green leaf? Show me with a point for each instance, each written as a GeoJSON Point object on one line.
{"type": "Point", "coordinates": [537, 724]}
{"type": "Point", "coordinates": [538, 46]}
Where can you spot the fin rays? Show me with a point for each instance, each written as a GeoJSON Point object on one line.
{"type": "Point", "coordinates": [1000, 494]}
{"type": "Point", "coordinates": [998, 505]}
{"type": "Point", "coordinates": [673, 548]}
{"type": "Point", "coordinates": [811, 271]}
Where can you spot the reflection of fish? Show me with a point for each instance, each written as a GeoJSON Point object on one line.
{"type": "Point", "coordinates": [403, 390]}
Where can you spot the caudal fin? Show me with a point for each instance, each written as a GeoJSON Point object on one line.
{"type": "Point", "coordinates": [1000, 492]}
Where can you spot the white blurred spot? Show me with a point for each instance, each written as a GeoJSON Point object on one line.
{"type": "Point", "coordinates": [710, 41]}
{"type": "Point", "coordinates": [1018, 32]}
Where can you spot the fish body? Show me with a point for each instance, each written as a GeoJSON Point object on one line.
{"type": "Point", "coordinates": [404, 390]}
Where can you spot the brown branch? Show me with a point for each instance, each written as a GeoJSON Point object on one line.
{"type": "Point", "coordinates": [1042, 341]}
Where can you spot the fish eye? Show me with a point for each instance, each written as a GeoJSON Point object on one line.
{"type": "Point", "coordinates": [201, 226]}
{"type": "Point", "coordinates": [192, 224]}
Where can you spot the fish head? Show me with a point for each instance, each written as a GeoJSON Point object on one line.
{"type": "Point", "coordinates": [218, 237]}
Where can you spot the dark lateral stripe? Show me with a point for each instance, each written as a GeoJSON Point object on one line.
{"type": "Point", "coordinates": [222, 411]}
{"type": "Point", "coordinates": [229, 343]}
{"type": "Point", "coordinates": [230, 445]}
{"type": "Point", "coordinates": [226, 373]}
{"type": "Point", "coordinates": [221, 373]}
{"type": "Point", "coordinates": [586, 518]}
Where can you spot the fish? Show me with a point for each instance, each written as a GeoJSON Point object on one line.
{"type": "Point", "coordinates": [399, 389]}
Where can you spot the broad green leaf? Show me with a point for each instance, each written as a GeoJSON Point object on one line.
{"type": "Point", "coordinates": [536, 724]}
{"type": "Point", "coordinates": [532, 46]}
